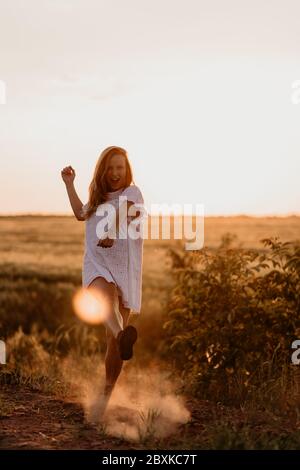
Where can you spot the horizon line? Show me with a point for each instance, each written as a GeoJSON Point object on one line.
{"type": "Point", "coordinates": [68, 214]}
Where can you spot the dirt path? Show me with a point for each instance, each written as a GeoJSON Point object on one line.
{"type": "Point", "coordinates": [31, 420]}
{"type": "Point", "coordinates": [34, 420]}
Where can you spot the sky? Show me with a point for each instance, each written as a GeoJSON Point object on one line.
{"type": "Point", "coordinates": [200, 93]}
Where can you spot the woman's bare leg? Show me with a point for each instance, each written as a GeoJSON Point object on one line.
{"type": "Point", "coordinates": [113, 366]}
{"type": "Point", "coordinates": [113, 362]}
{"type": "Point", "coordinates": [108, 294]}
{"type": "Point", "coordinates": [116, 321]}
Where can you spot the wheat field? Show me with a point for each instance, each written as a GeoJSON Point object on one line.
{"type": "Point", "coordinates": [40, 258]}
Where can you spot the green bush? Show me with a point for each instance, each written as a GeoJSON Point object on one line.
{"type": "Point", "coordinates": [232, 316]}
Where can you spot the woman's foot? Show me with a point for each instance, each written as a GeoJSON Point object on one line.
{"type": "Point", "coordinates": [125, 340]}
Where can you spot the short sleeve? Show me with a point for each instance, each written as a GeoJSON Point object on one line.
{"type": "Point", "coordinates": [133, 194]}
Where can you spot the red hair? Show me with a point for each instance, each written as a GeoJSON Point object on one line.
{"type": "Point", "coordinates": [98, 188]}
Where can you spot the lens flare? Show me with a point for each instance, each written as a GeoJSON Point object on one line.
{"type": "Point", "coordinates": [90, 305]}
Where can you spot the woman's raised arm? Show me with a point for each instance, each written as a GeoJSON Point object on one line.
{"type": "Point", "coordinates": [68, 175]}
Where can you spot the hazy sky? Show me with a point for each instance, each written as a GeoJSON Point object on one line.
{"type": "Point", "coordinates": [198, 92]}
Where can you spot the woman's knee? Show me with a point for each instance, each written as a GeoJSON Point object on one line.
{"type": "Point", "coordinates": [108, 289]}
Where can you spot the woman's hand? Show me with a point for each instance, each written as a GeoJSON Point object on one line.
{"type": "Point", "coordinates": [68, 174]}
{"type": "Point", "coordinates": [106, 242]}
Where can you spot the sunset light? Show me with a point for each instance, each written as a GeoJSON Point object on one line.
{"type": "Point", "coordinates": [90, 306]}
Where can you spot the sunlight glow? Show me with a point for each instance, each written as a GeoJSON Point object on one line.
{"type": "Point", "coordinates": [90, 306]}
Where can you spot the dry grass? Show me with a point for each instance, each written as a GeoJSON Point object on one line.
{"type": "Point", "coordinates": [41, 257]}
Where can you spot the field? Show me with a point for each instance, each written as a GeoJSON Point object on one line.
{"type": "Point", "coordinates": [55, 365]}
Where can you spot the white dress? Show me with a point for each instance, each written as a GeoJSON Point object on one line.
{"type": "Point", "coordinates": [121, 263]}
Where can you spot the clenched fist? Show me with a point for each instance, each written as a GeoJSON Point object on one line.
{"type": "Point", "coordinates": [68, 174]}
{"type": "Point", "coordinates": [106, 242]}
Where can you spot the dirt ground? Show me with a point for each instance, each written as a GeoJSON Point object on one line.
{"type": "Point", "coordinates": [34, 420]}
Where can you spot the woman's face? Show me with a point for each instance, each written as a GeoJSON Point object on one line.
{"type": "Point", "coordinates": [116, 172]}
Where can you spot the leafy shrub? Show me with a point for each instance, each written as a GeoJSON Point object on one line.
{"type": "Point", "coordinates": [232, 315]}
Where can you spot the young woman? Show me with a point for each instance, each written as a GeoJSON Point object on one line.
{"type": "Point", "coordinates": [112, 265]}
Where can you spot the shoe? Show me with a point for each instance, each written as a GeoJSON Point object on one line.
{"type": "Point", "coordinates": [126, 339]}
